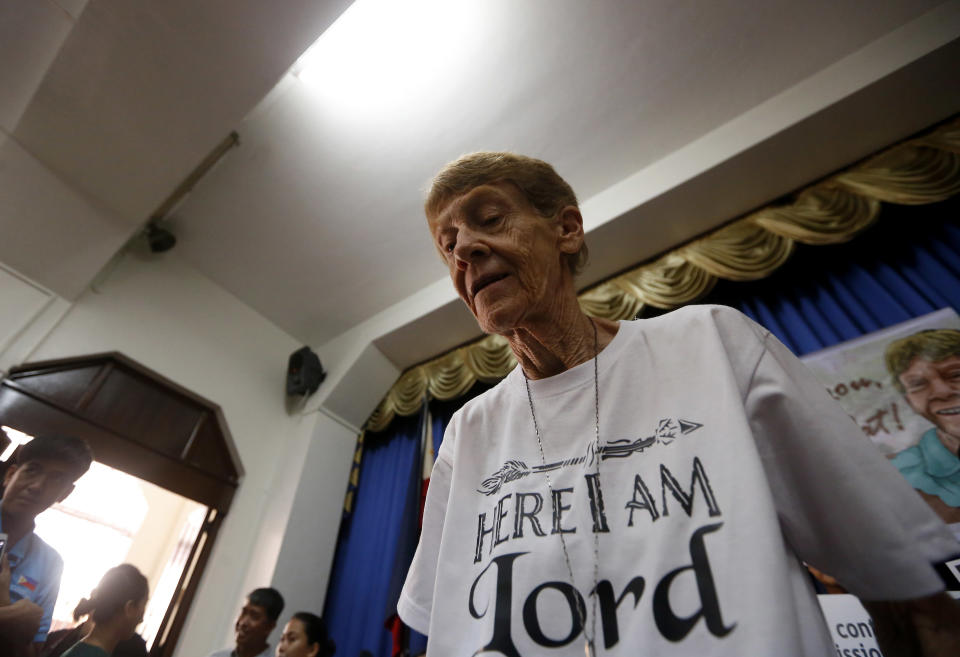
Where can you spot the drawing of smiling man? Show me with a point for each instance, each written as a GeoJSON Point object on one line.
{"type": "Point", "coordinates": [925, 368]}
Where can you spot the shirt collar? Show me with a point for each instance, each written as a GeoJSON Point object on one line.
{"type": "Point", "coordinates": [940, 461]}
{"type": "Point", "coordinates": [16, 553]}
{"type": "Point", "coordinates": [266, 652]}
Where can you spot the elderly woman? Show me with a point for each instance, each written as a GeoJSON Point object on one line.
{"type": "Point", "coordinates": [637, 487]}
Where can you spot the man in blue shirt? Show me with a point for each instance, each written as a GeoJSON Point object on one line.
{"type": "Point", "coordinates": [44, 474]}
{"type": "Point", "coordinates": [925, 367]}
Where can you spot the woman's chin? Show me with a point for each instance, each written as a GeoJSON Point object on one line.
{"type": "Point", "coordinates": [500, 319]}
{"type": "Point", "coordinates": [500, 323]}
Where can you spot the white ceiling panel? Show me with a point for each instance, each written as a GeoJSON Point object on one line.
{"type": "Point", "coordinates": [31, 33]}
{"type": "Point", "coordinates": [51, 233]}
{"type": "Point", "coordinates": [315, 219]}
{"type": "Point", "coordinates": [73, 7]}
{"type": "Point", "coordinates": [140, 92]}
{"type": "Point", "coordinates": [322, 198]}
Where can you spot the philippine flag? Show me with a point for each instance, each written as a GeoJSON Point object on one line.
{"type": "Point", "coordinates": [27, 583]}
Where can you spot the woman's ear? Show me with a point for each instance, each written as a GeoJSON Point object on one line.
{"type": "Point", "coordinates": [313, 650]}
{"type": "Point", "coordinates": [570, 229]}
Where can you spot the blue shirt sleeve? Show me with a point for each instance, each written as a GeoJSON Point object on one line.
{"type": "Point", "coordinates": [47, 592]}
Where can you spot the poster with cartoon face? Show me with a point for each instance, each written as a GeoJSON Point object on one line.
{"type": "Point", "coordinates": [902, 386]}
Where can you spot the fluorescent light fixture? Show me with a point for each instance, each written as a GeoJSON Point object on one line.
{"type": "Point", "coordinates": [17, 438]}
{"type": "Point", "coordinates": [384, 56]}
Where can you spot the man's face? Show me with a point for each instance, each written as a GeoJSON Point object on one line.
{"type": "Point", "coordinates": [933, 391]}
{"type": "Point", "coordinates": [253, 625]}
{"type": "Point", "coordinates": [34, 486]}
{"type": "Point", "coordinates": [505, 260]}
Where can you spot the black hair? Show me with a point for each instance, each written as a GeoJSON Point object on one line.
{"type": "Point", "coordinates": [120, 585]}
{"type": "Point", "coordinates": [316, 631]}
{"type": "Point", "coordinates": [69, 449]}
{"type": "Point", "coordinates": [269, 599]}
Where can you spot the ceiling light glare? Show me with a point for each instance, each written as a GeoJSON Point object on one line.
{"type": "Point", "coordinates": [386, 55]}
{"type": "Point", "coordinates": [17, 438]}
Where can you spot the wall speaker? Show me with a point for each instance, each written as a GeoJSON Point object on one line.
{"type": "Point", "coordinates": [304, 372]}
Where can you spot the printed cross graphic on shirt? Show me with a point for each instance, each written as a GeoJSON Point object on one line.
{"type": "Point", "coordinates": [514, 469]}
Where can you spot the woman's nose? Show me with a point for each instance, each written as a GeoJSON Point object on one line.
{"type": "Point", "coordinates": [469, 246]}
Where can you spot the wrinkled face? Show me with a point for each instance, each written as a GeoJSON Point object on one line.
{"type": "Point", "coordinates": [294, 643]}
{"type": "Point", "coordinates": [506, 261]}
{"type": "Point", "coordinates": [34, 486]}
{"type": "Point", "coordinates": [933, 391]}
{"type": "Point", "coordinates": [253, 625]}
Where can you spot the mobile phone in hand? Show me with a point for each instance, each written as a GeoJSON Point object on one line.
{"type": "Point", "coordinates": [3, 544]}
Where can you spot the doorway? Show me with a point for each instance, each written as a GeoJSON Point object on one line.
{"type": "Point", "coordinates": [164, 476]}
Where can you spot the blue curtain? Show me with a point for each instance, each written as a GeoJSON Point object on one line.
{"type": "Point", "coordinates": [440, 414]}
{"type": "Point", "coordinates": [360, 582]}
{"type": "Point", "coordinates": [905, 266]}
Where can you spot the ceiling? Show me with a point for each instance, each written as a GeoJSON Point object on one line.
{"type": "Point", "coordinates": [315, 219]}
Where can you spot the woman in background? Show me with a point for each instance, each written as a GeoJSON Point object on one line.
{"type": "Point", "coordinates": [305, 635]}
{"type": "Point", "coordinates": [116, 607]}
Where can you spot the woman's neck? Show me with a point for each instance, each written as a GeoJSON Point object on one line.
{"type": "Point", "coordinates": [549, 347]}
{"type": "Point", "coordinates": [103, 637]}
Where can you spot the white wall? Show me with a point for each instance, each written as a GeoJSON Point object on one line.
{"type": "Point", "coordinates": [303, 567]}
{"type": "Point", "coordinates": [21, 302]}
{"type": "Point", "coordinates": [165, 315]}
{"type": "Point", "coordinates": [157, 538]}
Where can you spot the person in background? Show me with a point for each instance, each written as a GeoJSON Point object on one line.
{"type": "Point", "coordinates": [305, 635]}
{"type": "Point", "coordinates": [59, 641]}
{"type": "Point", "coordinates": [44, 474]}
{"type": "Point", "coordinates": [116, 607]}
{"type": "Point", "coordinates": [257, 619]}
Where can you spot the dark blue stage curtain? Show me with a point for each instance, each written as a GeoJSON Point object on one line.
{"type": "Point", "coordinates": [367, 547]}
{"type": "Point", "coordinates": [440, 414]}
{"type": "Point", "coordinates": [905, 266]}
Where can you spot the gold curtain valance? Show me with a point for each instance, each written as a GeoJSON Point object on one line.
{"type": "Point", "coordinates": [449, 376]}
{"type": "Point", "coordinates": [915, 172]}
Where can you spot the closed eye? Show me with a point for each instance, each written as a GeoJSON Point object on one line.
{"type": "Point", "coordinates": [915, 385]}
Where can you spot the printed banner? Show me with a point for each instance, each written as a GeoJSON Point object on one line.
{"type": "Point", "coordinates": [856, 375]}
{"type": "Point", "coordinates": [902, 386]}
{"type": "Point", "coordinates": [850, 626]}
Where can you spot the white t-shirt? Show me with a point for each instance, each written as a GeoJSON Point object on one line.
{"type": "Point", "coordinates": [723, 460]}
{"type": "Point", "coordinates": [232, 652]}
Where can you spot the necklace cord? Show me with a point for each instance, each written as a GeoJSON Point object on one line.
{"type": "Point", "coordinates": [595, 457]}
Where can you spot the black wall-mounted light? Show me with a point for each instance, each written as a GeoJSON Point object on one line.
{"type": "Point", "coordinates": [160, 239]}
